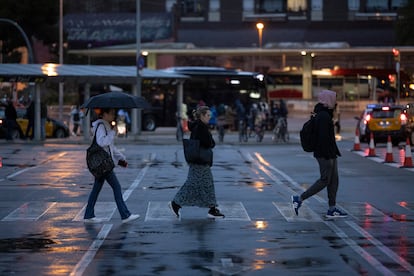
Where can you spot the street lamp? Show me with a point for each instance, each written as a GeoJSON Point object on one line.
{"type": "Point", "coordinates": [397, 59]}
{"type": "Point", "coordinates": [61, 57]}
{"type": "Point", "coordinates": [26, 39]}
{"type": "Point", "coordinates": [260, 27]}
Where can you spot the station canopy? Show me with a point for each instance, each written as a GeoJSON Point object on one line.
{"type": "Point", "coordinates": [50, 72]}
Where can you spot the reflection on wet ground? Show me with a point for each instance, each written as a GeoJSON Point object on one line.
{"type": "Point", "coordinates": [25, 243]}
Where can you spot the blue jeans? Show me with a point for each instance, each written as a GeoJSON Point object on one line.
{"type": "Point", "coordinates": [116, 188]}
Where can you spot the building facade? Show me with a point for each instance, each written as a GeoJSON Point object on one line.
{"type": "Point", "coordinates": [296, 34]}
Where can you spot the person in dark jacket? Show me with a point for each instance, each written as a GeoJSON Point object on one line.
{"type": "Point", "coordinates": [198, 189]}
{"type": "Point", "coordinates": [326, 153]}
{"type": "Point", "coordinates": [11, 123]}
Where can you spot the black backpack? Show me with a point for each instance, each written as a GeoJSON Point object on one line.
{"type": "Point", "coordinates": [308, 135]}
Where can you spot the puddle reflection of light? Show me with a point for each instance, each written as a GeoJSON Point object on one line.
{"type": "Point", "coordinates": [403, 204]}
{"type": "Point", "coordinates": [258, 185]}
{"type": "Point", "coordinates": [368, 209]}
{"type": "Point", "coordinates": [261, 252]}
{"type": "Point", "coordinates": [261, 224]}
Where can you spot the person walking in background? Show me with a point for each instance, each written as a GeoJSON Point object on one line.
{"type": "Point", "coordinates": [30, 114]}
{"type": "Point", "coordinates": [184, 117]}
{"type": "Point", "coordinates": [43, 117]}
{"type": "Point", "coordinates": [11, 123]}
{"type": "Point", "coordinates": [326, 153]}
{"type": "Point", "coordinates": [75, 119]}
{"type": "Point", "coordinates": [198, 189]}
{"type": "Point", "coordinates": [105, 138]}
{"type": "Point", "coordinates": [221, 121]}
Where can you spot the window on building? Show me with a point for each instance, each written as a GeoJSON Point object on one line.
{"type": "Point", "coordinates": [280, 6]}
{"type": "Point", "coordinates": [269, 6]}
{"type": "Point", "coordinates": [384, 5]}
{"type": "Point", "coordinates": [192, 8]}
{"type": "Point", "coordinates": [396, 4]}
{"type": "Point", "coordinates": [296, 5]}
{"type": "Point", "coordinates": [353, 5]}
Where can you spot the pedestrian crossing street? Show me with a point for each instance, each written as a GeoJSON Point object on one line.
{"type": "Point", "coordinates": [160, 211]}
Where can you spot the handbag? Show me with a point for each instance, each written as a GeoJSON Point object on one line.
{"type": "Point", "coordinates": [98, 160]}
{"type": "Point", "coordinates": [196, 154]}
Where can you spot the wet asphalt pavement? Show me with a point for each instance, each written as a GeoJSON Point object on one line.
{"type": "Point", "coordinates": [44, 189]}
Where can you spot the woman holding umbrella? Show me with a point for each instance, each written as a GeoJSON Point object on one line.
{"type": "Point", "coordinates": [105, 138]}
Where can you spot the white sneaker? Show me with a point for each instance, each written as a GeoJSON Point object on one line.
{"type": "Point", "coordinates": [92, 220]}
{"type": "Point", "coordinates": [130, 218]}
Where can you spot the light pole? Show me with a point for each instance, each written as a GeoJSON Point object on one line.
{"type": "Point", "coordinates": [60, 57]}
{"type": "Point", "coordinates": [260, 27]}
{"type": "Point", "coordinates": [397, 59]}
{"type": "Point", "coordinates": [26, 40]}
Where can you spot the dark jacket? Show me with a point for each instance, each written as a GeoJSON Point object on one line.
{"type": "Point", "coordinates": [326, 143]}
{"type": "Point", "coordinates": [200, 131]}
{"type": "Point", "coordinates": [10, 112]}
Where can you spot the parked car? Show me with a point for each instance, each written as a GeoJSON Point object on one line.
{"type": "Point", "coordinates": [409, 110]}
{"type": "Point", "coordinates": [383, 120]}
{"type": "Point", "coordinates": [54, 128]}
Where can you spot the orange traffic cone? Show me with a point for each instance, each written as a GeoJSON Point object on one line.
{"type": "Point", "coordinates": [408, 160]}
{"type": "Point", "coordinates": [371, 152]}
{"type": "Point", "coordinates": [357, 145]}
{"type": "Point", "coordinates": [388, 156]}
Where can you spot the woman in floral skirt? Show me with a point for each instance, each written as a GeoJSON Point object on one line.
{"type": "Point", "coordinates": [198, 189]}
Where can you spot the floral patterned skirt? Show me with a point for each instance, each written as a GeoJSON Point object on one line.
{"type": "Point", "coordinates": [198, 189]}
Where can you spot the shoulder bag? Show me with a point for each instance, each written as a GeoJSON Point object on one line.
{"type": "Point", "coordinates": [98, 160]}
{"type": "Point", "coordinates": [196, 154]}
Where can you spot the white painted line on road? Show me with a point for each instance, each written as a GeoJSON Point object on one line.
{"type": "Point", "coordinates": [306, 214]}
{"type": "Point", "coordinates": [381, 160]}
{"type": "Point", "coordinates": [160, 211]}
{"type": "Point", "coordinates": [136, 183]}
{"type": "Point", "coordinates": [368, 257]}
{"type": "Point", "coordinates": [364, 211]}
{"type": "Point", "coordinates": [34, 167]}
{"type": "Point", "coordinates": [228, 267]}
{"type": "Point", "coordinates": [399, 260]}
{"type": "Point", "coordinates": [364, 254]}
{"type": "Point", "coordinates": [29, 211]}
{"type": "Point", "coordinates": [97, 243]}
{"type": "Point", "coordinates": [103, 210]}
{"type": "Point", "coordinates": [87, 258]}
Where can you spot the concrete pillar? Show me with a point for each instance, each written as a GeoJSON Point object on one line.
{"type": "Point", "coordinates": [134, 114]}
{"type": "Point", "coordinates": [87, 117]}
{"type": "Point", "coordinates": [307, 76]}
{"type": "Point", "coordinates": [37, 120]}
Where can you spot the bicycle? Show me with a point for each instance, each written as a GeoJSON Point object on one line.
{"type": "Point", "coordinates": [280, 132]}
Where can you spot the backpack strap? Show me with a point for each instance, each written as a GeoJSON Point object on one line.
{"type": "Point", "coordinates": [94, 137]}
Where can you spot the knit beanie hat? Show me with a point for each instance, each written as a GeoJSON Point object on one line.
{"type": "Point", "coordinates": [327, 98]}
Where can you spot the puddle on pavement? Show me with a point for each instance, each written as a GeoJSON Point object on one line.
{"type": "Point", "coordinates": [304, 262]}
{"type": "Point", "coordinates": [31, 244]}
{"type": "Point", "coordinates": [162, 187]}
{"type": "Point", "coordinates": [20, 166]}
{"type": "Point", "coordinates": [253, 183]}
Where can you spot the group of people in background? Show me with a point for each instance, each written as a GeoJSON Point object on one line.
{"type": "Point", "coordinates": [256, 117]}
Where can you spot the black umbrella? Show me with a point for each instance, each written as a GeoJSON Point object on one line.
{"type": "Point", "coordinates": [116, 100]}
